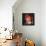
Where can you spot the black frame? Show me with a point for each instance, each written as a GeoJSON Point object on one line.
{"type": "Point", "coordinates": [30, 14]}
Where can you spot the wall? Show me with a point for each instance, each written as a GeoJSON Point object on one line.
{"type": "Point", "coordinates": [6, 18]}
{"type": "Point", "coordinates": [29, 32]}
{"type": "Point", "coordinates": [6, 13]}
{"type": "Point", "coordinates": [43, 22]}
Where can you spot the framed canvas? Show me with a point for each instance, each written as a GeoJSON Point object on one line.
{"type": "Point", "coordinates": [28, 19]}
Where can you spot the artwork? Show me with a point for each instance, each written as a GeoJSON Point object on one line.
{"type": "Point", "coordinates": [27, 18]}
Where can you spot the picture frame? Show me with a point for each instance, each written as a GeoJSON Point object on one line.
{"type": "Point", "coordinates": [28, 19]}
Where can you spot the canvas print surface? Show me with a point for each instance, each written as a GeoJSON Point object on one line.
{"type": "Point", "coordinates": [28, 18]}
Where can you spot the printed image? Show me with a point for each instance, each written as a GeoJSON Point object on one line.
{"type": "Point", "coordinates": [28, 18]}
